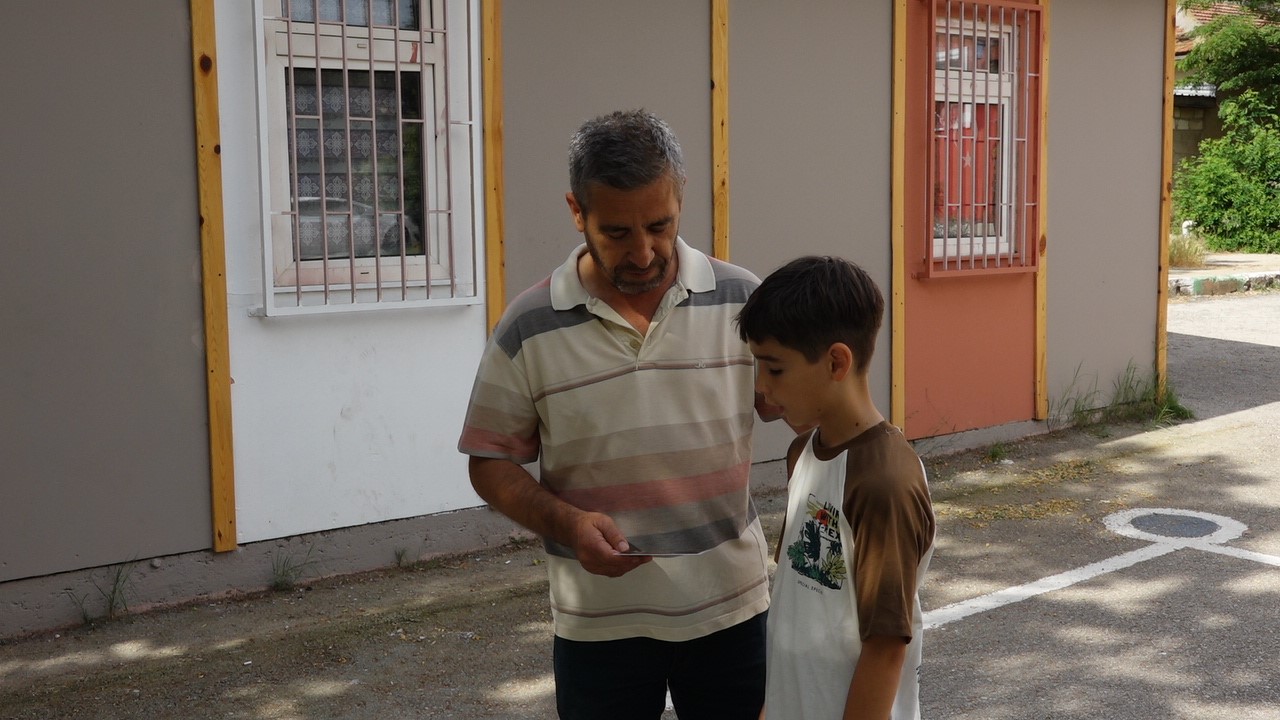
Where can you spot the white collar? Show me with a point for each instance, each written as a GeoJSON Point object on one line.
{"type": "Point", "coordinates": [693, 273]}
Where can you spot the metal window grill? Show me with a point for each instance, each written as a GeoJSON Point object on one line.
{"type": "Point", "coordinates": [367, 205]}
{"type": "Point", "coordinates": [984, 94]}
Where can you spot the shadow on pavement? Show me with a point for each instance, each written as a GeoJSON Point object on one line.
{"type": "Point", "coordinates": [1176, 636]}
{"type": "Point", "coordinates": [1215, 377]}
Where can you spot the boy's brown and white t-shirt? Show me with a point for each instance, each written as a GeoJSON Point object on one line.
{"type": "Point", "coordinates": [857, 542]}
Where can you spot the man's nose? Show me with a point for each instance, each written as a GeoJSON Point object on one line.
{"type": "Point", "coordinates": [642, 254]}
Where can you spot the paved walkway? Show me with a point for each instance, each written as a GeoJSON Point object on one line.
{"type": "Point", "coordinates": [1225, 273]}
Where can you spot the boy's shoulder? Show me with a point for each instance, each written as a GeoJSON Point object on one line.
{"type": "Point", "coordinates": [885, 462]}
{"type": "Point", "coordinates": [884, 438]}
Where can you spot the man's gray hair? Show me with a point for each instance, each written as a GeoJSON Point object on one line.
{"type": "Point", "coordinates": [624, 150]}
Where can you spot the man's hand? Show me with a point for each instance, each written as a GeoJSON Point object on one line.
{"type": "Point", "coordinates": [597, 542]}
{"type": "Point", "coordinates": [593, 537]}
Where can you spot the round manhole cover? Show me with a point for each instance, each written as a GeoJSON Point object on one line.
{"type": "Point", "coordinates": [1179, 526]}
{"type": "Point", "coordinates": [1171, 525]}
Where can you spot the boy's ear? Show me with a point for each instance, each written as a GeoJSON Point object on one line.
{"type": "Point", "coordinates": [840, 360]}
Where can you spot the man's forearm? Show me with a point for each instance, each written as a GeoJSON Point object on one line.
{"type": "Point", "coordinates": [512, 491]}
{"type": "Point", "coordinates": [592, 536]}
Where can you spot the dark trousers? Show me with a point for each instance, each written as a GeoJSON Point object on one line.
{"type": "Point", "coordinates": [717, 677]}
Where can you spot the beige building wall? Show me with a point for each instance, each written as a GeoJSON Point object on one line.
{"type": "Point", "coordinates": [105, 441]}
{"type": "Point", "coordinates": [1104, 155]}
{"type": "Point", "coordinates": [810, 110]}
{"type": "Point", "coordinates": [569, 61]}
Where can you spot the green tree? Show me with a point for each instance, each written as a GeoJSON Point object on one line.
{"type": "Point", "coordinates": [1237, 52]}
{"type": "Point", "coordinates": [1231, 190]}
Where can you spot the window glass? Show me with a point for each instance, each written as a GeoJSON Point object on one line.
{"type": "Point", "coordinates": [355, 12]}
{"type": "Point", "coordinates": [339, 176]}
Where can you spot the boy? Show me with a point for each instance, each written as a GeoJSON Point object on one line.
{"type": "Point", "coordinates": [844, 629]}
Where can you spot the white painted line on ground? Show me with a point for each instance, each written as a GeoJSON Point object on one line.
{"type": "Point", "coordinates": [1240, 553]}
{"type": "Point", "coordinates": [1122, 524]}
{"type": "Point", "coordinates": [991, 601]}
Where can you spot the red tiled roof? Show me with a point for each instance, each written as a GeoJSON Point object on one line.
{"type": "Point", "coordinates": [1201, 16]}
{"type": "Point", "coordinates": [1215, 11]}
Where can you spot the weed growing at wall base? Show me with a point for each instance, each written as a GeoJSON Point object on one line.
{"type": "Point", "coordinates": [402, 557]}
{"type": "Point", "coordinates": [287, 569]}
{"type": "Point", "coordinates": [114, 593]}
{"type": "Point", "coordinates": [1076, 405]}
{"type": "Point", "coordinates": [1168, 409]}
{"type": "Point", "coordinates": [1135, 397]}
{"type": "Point", "coordinates": [79, 602]}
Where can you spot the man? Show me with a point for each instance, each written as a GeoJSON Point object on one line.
{"type": "Point", "coordinates": [622, 375]}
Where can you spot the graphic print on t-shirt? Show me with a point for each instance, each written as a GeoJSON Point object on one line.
{"type": "Point", "coordinates": [818, 553]}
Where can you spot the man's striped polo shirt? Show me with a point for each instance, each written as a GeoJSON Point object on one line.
{"type": "Point", "coordinates": [653, 430]}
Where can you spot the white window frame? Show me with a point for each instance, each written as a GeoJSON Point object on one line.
{"type": "Point", "coordinates": [447, 274]}
{"type": "Point", "coordinates": [970, 88]}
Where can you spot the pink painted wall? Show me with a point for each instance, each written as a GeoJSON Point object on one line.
{"type": "Point", "coordinates": [970, 353]}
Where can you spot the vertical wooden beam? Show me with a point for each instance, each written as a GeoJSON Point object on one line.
{"type": "Point", "coordinates": [1166, 198]}
{"type": "Point", "coordinates": [214, 265]}
{"type": "Point", "coordinates": [494, 192]}
{"type": "Point", "coordinates": [1042, 232]}
{"type": "Point", "coordinates": [897, 193]}
{"type": "Point", "coordinates": [720, 128]}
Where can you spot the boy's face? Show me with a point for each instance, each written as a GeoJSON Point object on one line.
{"type": "Point", "coordinates": [786, 378]}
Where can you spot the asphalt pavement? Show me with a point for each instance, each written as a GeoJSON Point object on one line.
{"type": "Point", "coordinates": [1127, 572]}
{"type": "Point", "coordinates": [1135, 576]}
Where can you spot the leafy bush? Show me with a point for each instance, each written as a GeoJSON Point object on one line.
{"type": "Point", "coordinates": [1232, 189]}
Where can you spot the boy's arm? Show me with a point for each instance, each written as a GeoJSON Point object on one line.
{"type": "Point", "coordinates": [875, 678]}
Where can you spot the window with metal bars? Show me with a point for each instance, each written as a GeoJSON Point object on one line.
{"type": "Point", "coordinates": [370, 154]}
{"type": "Point", "coordinates": [984, 91]}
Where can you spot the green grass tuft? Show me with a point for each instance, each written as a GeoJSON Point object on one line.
{"type": "Point", "coordinates": [1186, 251]}
{"type": "Point", "coordinates": [287, 569]}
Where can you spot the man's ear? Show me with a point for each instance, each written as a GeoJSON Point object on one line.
{"type": "Point", "coordinates": [579, 217]}
{"type": "Point", "coordinates": [840, 360]}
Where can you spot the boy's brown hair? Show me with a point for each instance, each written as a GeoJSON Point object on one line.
{"type": "Point", "coordinates": [813, 302]}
